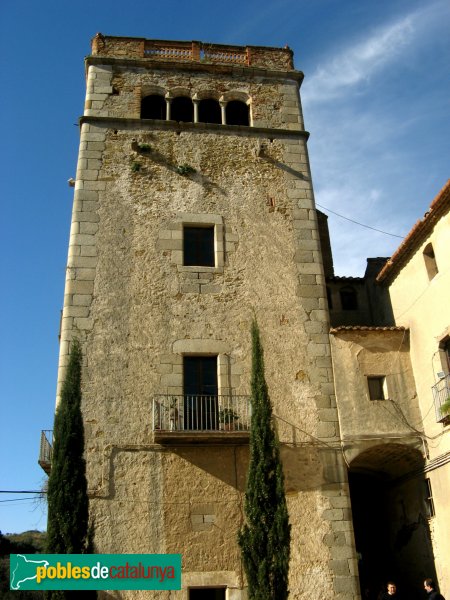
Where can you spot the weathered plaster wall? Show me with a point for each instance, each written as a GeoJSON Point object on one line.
{"type": "Point", "coordinates": [358, 354]}
{"type": "Point", "coordinates": [422, 305]}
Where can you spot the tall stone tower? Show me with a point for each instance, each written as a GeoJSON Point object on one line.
{"type": "Point", "coordinates": [194, 211]}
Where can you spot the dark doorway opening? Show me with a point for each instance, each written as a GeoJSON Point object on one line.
{"type": "Point", "coordinates": [237, 113]}
{"type": "Point", "coordinates": [182, 110]}
{"type": "Point", "coordinates": [209, 111]}
{"type": "Point", "coordinates": [207, 593]}
{"type": "Point", "coordinates": [201, 411]}
{"type": "Point", "coordinates": [153, 107]}
{"type": "Point", "coordinates": [390, 521]}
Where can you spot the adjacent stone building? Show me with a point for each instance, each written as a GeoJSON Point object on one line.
{"type": "Point", "coordinates": [390, 347]}
{"type": "Point", "coordinates": [193, 211]}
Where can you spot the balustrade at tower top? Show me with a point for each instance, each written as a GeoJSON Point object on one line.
{"type": "Point", "coordinates": [192, 52]}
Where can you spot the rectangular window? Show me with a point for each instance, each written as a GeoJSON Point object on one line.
{"type": "Point", "coordinates": [377, 387]}
{"type": "Point", "coordinates": [429, 499]}
{"type": "Point", "coordinates": [198, 246]}
{"type": "Point", "coordinates": [201, 411]}
{"type": "Point", "coordinates": [207, 593]}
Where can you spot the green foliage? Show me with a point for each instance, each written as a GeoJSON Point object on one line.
{"type": "Point", "coordinates": [67, 487]}
{"type": "Point", "coordinates": [185, 170]}
{"type": "Point", "coordinates": [28, 542]}
{"type": "Point", "coordinates": [143, 147]}
{"type": "Point", "coordinates": [135, 166]}
{"type": "Point", "coordinates": [227, 415]}
{"type": "Point", "coordinates": [265, 538]}
{"type": "Point", "coordinates": [445, 408]}
{"type": "Point", "coordinates": [68, 505]}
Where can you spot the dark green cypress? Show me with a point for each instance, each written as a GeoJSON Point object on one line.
{"type": "Point", "coordinates": [265, 537]}
{"type": "Point", "coordinates": [68, 505]}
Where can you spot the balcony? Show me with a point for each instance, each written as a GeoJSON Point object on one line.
{"type": "Point", "coordinates": [441, 393]}
{"type": "Point", "coordinates": [196, 51]}
{"type": "Point", "coordinates": [191, 419]}
{"type": "Point", "coordinates": [46, 450]}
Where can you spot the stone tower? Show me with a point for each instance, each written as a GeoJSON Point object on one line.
{"type": "Point", "coordinates": [194, 211]}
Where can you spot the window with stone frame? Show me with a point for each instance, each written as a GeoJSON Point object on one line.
{"type": "Point", "coordinates": [200, 388]}
{"type": "Point", "coordinates": [182, 110]}
{"type": "Point", "coordinates": [153, 107]}
{"type": "Point", "coordinates": [198, 246]}
{"type": "Point", "coordinates": [209, 111]}
{"type": "Point", "coordinates": [237, 113]}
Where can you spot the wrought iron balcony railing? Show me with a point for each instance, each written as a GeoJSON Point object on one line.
{"type": "Point", "coordinates": [46, 450]}
{"type": "Point", "coordinates": [195, 413]}
{"type": "Point", "coordinates": [441, 393]}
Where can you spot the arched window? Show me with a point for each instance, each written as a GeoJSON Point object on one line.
{"type": "Point", "coordinates": [209, 111]}
{"type": "Point", "coordinates": [153, 107]}
{"type": "Point", "coordinates": [349, 298]}
{"type": "Point", "coordinates": [237, 113]}
{"type": "Point", "coordinates": [182, 109]}
{"type": "Point", "coordinates": [430, 261]}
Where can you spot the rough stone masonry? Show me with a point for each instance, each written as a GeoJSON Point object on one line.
{"type": "Point", "coordinates": [139, 310]}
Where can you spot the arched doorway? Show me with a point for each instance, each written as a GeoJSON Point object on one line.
{"type": "Point", "coordinates": [388, 495]}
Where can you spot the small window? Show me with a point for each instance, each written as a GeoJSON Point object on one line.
{"type": "Point", "coordinates": [207, 593]}
{"type": "Point", "coordinates": [445, 347]}
{"type": "Point", "coordinates": [209, 111]}
{"type": "Point", "coordinates": [182, 110]}
{"type": "Point", "coordinates": [237, 113]}
{"type": "Point", "coordinates": [349, 298]}
{"type": "Point", "coordinates": [198, 246]}
{"type": "Point", "coordinates": [377, 387]}
{"type": "Point", "coordinates": [429, 502]}
{"type": "Point", "coordinates": [153, 107]}
{"type": "Point", "coordinates": [430, 261]}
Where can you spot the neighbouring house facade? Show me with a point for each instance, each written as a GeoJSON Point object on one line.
{"type": "Point", "coordinates": [390, 342]}
{"type": "Point", "coordinates": [418, 279]}
{"type": "Point", "coordinates": [193, 212]}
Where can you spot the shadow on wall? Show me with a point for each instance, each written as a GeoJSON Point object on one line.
{"type": "Point", "coordinates": [183, 170]}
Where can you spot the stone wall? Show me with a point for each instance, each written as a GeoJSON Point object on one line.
{"type": "Point", "coordinates": [138, 310]}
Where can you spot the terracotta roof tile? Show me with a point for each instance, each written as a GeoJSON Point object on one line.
{"type": "Point", "coordinates": [423, 227]}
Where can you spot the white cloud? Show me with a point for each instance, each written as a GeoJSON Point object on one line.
{"type": "Point", "coordinates": [367, 159]}
{"type": "Point", "coordinates": [359, 61]}
{"type": "Point", "coordinates": [353, 66]}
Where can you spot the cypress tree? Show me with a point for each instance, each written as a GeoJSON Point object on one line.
{"type": "Point", "coordinates": [265, 537]}
{"type": "Point", "coordinates": [67, 526]}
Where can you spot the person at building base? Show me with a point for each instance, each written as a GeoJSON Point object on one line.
{"type": "Point", "coordinates": [390, 593]}
{"type": "Point", "coordinates": [433, 594]}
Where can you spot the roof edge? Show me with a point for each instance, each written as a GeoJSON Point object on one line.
{"type": "Point", "coordinates": [416, 236]}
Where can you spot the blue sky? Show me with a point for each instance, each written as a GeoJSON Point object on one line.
{"type": "Point", "coordinates": [375, 98]}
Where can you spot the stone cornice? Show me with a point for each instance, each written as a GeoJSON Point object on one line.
{"type": "Point", "coordinates": [121, 122]}
{"type": "Point", "coordinates": [249, 72]}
